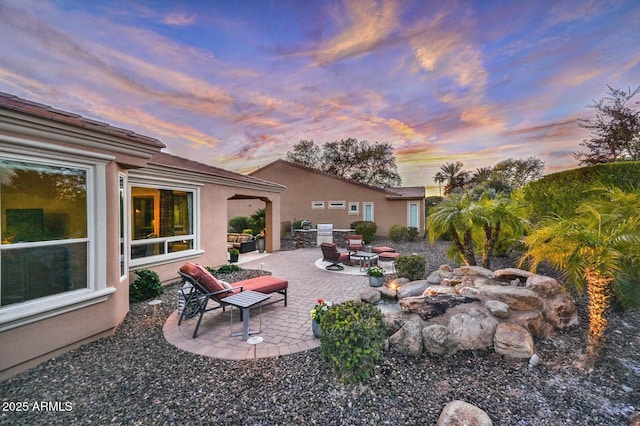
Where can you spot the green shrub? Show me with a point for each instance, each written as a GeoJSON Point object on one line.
{"type": "Point", "coordinates": [352, 336]}
{"type": "Point", "coordinates": [398, 233]}
{"type": "Point", "coordinates": [366, 229]}
{"type": "Point", "coordinates": [238, 224]}
{"type": "Point", "coordinates": [258, 221]}
{"type": "Point", "coordinates": [224, 269]}
{"type": "Point", "coordinates": [146, 286]}
{"type": "Point", "coordinates": [413, 267]}
{"type": "Point", "coordinates": [560, 193]}
{"type": "Point", "coordinates": [412, 233]}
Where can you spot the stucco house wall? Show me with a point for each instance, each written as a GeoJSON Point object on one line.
{"type": "Point", "coordinates": [37, 137]}
{"type": "Point", "coordinates": [306, 188]}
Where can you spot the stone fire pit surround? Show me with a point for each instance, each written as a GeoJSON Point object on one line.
{"type": "Point", "coordinates": [475, 308]}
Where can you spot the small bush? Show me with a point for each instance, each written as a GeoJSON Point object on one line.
{"type": "Point", "coordinates": [412, 233]}
{"type": "Point", "coordinates": [146, 286]}
{"type": "Point", "coordinates": [366, 229]}
{"type": "Point", "coordinates": [238, 224]}
{"type": "Point", "coordinates": [413, 267]}
{"type": "Point", "coordinates": [398, 233]}
{"type": "Point", "coordinates": [224, 269]}
{"type": "Point", "coordinates": [352, 336]}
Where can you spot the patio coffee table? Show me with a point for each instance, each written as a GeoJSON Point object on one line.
{"type": "Point", "coordinates": [245, 300]}
{"type": "Point", "coordinates": [365, 259]}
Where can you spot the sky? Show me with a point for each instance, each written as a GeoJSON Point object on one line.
{"type": "Point", "coordinates": [235, 84]}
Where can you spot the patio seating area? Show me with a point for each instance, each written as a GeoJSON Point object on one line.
{"type": "Point", "coordinates": [285, 330]}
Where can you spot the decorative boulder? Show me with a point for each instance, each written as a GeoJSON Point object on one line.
{"type": "Point", "coordinates": [560, 311]}
{"type": "Point", "coordinates": [518, 298]}
{"type": "Point", "coordinates": [459, 413]}
{"type": "Point", "coordinates": [544, 286]}
{"type": "Point", "coordinates": [413, 288]}
{"type": "Point", "coordinates": [534, 322]}
{"type": "Point", "coordinates": [437, 340]}
{"type": "Point", "coordinates": [408, 340]}
{"type": "Point", "coordinates": [513, 341]}
{"type": "Point", "coordinates": [478, 271]}
{"type": "Point", "coordinates": [473, 330]}
{"type": "Point", "coordinates": [497, 308]}
{"type": "Point", "coordinates": [370, 295]}
{"type": "Point", "coordinates": [438, 289]}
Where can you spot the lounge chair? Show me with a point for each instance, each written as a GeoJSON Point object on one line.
{"type": "Point", "coordinates": [355, 243]}
{"type": "Point", "coordinates": [331, 254]}
{"type": "Point", "coordinates": [206, 288]}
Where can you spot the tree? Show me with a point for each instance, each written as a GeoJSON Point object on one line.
{"type": "Point", "coordinates": [453, 218]}
{"type": "Point", "coordinates": [373, 165]}
{"type": "Point", "coordinates": [615, 132]}
{"type": "Point", "coordinates": [517, 173]}
{"type": "Point", "coordinates": [439, 178]}
{"type": "Point", "coordinates": [454, 176]}
{"type": "Point", "coordinates": [305, 152]}
{"type": "Point", "coordinates": [470, 223]}
{"type": "Point", "coordinates": [591, 248]}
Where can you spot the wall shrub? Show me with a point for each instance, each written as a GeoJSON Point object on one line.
{"type": "Point", "coordinates": [366, 229]}
{"type": "Point", "coordinates": [238, 224]}
{"type": "Point", "coordinates": [146, 286]}
{"type": "Point", "coordinates": [398, 233]}
{"type": "Point", "coordinates": [412, 233]}
{"type": "Point", "coordinates": [352, 336]}
{"type": "Point", "coordinates": [413, 267]}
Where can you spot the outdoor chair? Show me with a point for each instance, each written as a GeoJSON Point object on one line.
{"type": "Point", "coordinates": [331, 254]}
{"type": "Point", "coordinates": [207, 288]}
{"type": "Point", "coordinates": [355, 243]}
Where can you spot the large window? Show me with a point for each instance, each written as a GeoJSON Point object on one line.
{"type": "Point", "coordinates": [367, 213]}
{"type": "Point", "coordinates": [44, 234]}
{"type": "Point", "coordinates": [161, 222]}
{"type": "Point", "coordinates": [412, 215]}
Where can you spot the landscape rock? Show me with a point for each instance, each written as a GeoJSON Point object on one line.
{"type": "Point", "coordinates": [518, 298]}
{"type": "Point", "coordinates": [473, 330]}
{"type": "Point", "coordinates": [438, 289]}
{"type": "Point", "coordinates": [460, 413]}
{"type": "Point", "coordinates": [534, 322]}
{"type": "Point", "coordinates": [560, 311]}
{"type": "Point", "coordinates": [387, 292]}
{"type": "Point", "coordinates": [408, 339]}
{"type": "Point", "coordinates": [413, 288]}
{"type": "Point", "coordinates": [370, 295]}
{"type": "Point", "coordinates": [497, 308]}
{"type": "Point", "coordinates": [510, 274]}
{"type": "Point", "coordinates": [543, 285]}
{"type": "Point", "coordinates": [513, 341]}
{"type": "Point", "coordinates": [437, 340]}
{"type": "Point", "coordinates": [474, 270]}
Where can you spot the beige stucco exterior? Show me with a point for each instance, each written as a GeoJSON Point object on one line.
{"type": "Point", "coordinates": [36, 330]}
{"type": "Point", "coordinates": [306, 186]}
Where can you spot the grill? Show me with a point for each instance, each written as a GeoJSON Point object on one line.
{"type": "Point", "coordinates": [325, 233]}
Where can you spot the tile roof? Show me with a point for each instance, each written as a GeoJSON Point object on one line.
{"type": "Point", "coordinates": [169, 160]}
{"type": "Point", "coordinates": [15, 103]}
{"type": "Point", "coordinates": [399, 192]}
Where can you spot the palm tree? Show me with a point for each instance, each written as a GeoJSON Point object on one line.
{"type": "Point", "coordinates": [591, 248]}
{"type": "Point", "coordinates": [439, 178]}
{"type": "Point", "coordinates": [453, 217]}
{"type": "Point", "coordinates": [454, 176]}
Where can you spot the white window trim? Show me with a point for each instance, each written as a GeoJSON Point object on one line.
{"type": "Point", "coordinates": [409, 204]}
{"type": "Point", "coordinates": [19, 314]}
{"type": "Point", "coordinates": [151, 261]}
{"type": "Point", "coordinates": [337, 205]}
{"type": "Point", "coordinates": [357, 206]}
{"type": "Point", "coordinates": [124, 256]}
{"type": "Point", "coordinates": [364, 210]}
{"type": "Point", "coordinates": [317, 205]}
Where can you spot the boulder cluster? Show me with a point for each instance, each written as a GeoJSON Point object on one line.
{"type": "Point", "coordinates": [472, 307]}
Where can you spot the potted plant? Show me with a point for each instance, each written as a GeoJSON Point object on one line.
{"type": "Point", "coordinates": [317, 312]}
{"type": "Point", "coordinates": [376, 276]}
{"type": "Point", "coordinates": [306, 225]}
{"type": "Point", "coordinates": [260, 241]}
{"type": "Point", "coordinates": [233, 255]}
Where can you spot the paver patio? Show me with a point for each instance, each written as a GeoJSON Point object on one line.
{"type": "Point", "coordinates": [285, 330]}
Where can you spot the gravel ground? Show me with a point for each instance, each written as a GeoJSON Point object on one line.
{"type": "Point", "coordinates": [136, 377]}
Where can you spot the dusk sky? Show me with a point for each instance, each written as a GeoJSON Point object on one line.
{"type": "Point", "coordinates": [236, 84]}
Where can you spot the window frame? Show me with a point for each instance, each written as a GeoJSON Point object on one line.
{"type": "Point", "coordinates": [317, 205]}
{"type": "Point", "coordinates": [366, 204]}
{"type": "Point", "coordinates": [417, 204]}
{"type": "Point", "coordinates": [355, 204]}
{"type": "Point", "coordinates": [97, 291]}
{"type": "Point", "coordinates": [337, 205]}
{"type": "Point", "coordinates": [149, 261]}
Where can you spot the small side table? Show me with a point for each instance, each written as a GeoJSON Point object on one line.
{"type": "Point", "coordinates": [245, 300]}
{"type": "Point", "coordinates": [365, 258]}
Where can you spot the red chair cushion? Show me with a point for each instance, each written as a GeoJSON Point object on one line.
{"type": "Point", "coordinates": [263, 284]}
{"type": "Point", "coordinates": [204, 277]}
{"type": "Point", "coordinates": [383, 249]}
{"type": "Point", "coordinates": [388, 256]}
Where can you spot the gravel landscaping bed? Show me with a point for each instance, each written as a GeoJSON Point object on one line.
{"type": "Point", "coordinates": [136, 377]}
